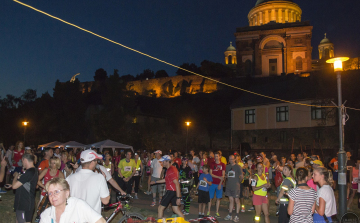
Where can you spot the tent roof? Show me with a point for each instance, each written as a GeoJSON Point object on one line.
{"type": "Point", "coordinates": [73, 144]}
{"type": "Point", "coordinates": [109, 144]}
{"type": "Point", "coordinates": [51, 144]}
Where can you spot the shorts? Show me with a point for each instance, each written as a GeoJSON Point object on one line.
{"type": "Point", "coordinates": [259, 200]}
{"type": "Point", "coordinates": [157, 188]}
{"type": "Point", "coordinates": [18, 169]}
{"type": "Point", "coordinates": [335, 176]}
{"type": "Point", "coordinates": [24, 216]}
{"type": "Point", "coordinates": [203, 197]}
{"type": "Point", "coordinates": [213, 189]}
{"type": "Point", "coordinates": [246, 183]}
{"type": "Point", "coordinates": [232, 192]}
{"type": "Point", "coordinates": [169, 197]}
{"type": "Point", "coordinates": [354, 186]}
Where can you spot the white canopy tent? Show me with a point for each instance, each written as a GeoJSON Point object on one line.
{"type": "Point", "coordinates": [73, 144]}
{"type": "Point", "coordinates": [109, 144]}
{"type": "Point", "coordinates": [51, 144]}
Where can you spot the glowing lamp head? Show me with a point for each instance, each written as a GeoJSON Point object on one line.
{"type": "Point", "coordinates": [25, 123]}
{"type": "Point", "coordinates": [338, 62]}
{"type": "Point", "coordinates": [187, 123]}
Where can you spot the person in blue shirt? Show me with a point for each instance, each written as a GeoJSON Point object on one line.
{"type": "Point", "coordinates": [205, 181]}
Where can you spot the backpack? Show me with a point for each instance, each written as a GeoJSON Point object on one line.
{"type": "Point", "coordinates": [278, 178]}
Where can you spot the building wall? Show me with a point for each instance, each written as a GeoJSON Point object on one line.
{"type": "Point", "coordinates": [325, 137]}
{"type": "Point", "coordinates": [296, 42]}
{"type": "Point", "coordinates": [265, 117]}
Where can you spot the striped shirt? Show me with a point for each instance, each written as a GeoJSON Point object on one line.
{"type": "Point", "coordinates": [304, 201]}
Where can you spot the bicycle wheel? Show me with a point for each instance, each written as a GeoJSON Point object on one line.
{"type": "Point", "coordinates": [133, 216]}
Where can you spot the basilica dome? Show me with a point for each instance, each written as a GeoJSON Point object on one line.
{"type": "Point", "coordinates": [277, 11]}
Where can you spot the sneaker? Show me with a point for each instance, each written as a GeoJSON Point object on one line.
{"type": "Point", "coordinates": [251, 209]}
{"type": "Point", "coordinates": [208, 213]}
{"type": "Point", "coordinates": [227, 218]}
{"type": "Point", "coordinates": [2, 191]}
{"type": "Point", "coordinates": [217, 215]}
{"type": "Point", "coordinates": [136, 197]}
{"type": "Point", "coordinates": [277, 214]}
{"type": "Point", "coordinates": [242, 209]}
{"type": "Point", "coordinates": [201, 216]}
{"type": "Point", "coordinates": [153, 204]}
{"type": "Point", "coordinates": [236, 219]}
{"type": "Point", "coordinates": [186, 213]}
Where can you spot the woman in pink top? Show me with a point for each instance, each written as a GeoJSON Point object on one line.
{"type": "Point", "coordinates": [311, 182]}
{"type": "Point", "coordinates": [354, 183]}
{"type": "Point", "coordinates": [49, 173]}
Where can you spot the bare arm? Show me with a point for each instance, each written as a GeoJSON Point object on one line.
{"type": "Point", "coordinates": [101, 220]}
{"type": "Point", "coordinates": [291, 206]}
{"type": "Point", "coordinates": [116, 186]}
{"type": "Point", "coordinates": [105, 200]}
{"type": "Point", "coordinates": [2, 170]}
{"type": "Point", "coordinates": [313, 208]}
{"type": "Point", "coordinates": [178, 191]}
{"type": "Point", "coordinates": [321, 208]}
{"type": "Point", "coordinates": [41, 176]}
{"type": "Point", "coordinates": [61, 175]}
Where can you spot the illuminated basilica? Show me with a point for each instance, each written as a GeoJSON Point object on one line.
{"type": "Point", "coordinates": [276, 42]}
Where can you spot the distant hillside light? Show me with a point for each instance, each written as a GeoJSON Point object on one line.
{"type": "Point", "coordinates": [25, 123]}
{"type": "Point", "coordinates": [338, 63]}
{"type": "Point", "coordinates": [188, 123]}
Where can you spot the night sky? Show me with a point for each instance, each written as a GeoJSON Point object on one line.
{"type": "Point", "coordinates": [36, 50]}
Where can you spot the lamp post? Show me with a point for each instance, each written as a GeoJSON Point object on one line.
{"type": "Point", "coordinates": [342, 154]}
{"type": "Point", "coordinates": [187, 135]}
{"type": "Point", "coordinates": [25, 124]}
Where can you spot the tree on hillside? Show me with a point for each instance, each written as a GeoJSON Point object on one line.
{"type": "Point", "coordinates": [127, 78]}
{"type": "Point", "coordinates": [190, 67]}
{"type": "Point", "coordinates": [161, 73]}
{"type": "Point", "coordinates": [100, 75]}
{"type": "Point", "coordinates": [29, 95]}
{"type": "Point", "coordinates": [212, 69]}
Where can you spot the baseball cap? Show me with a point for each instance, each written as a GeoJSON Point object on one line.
{"type": "Point", "coordinates": [89, 155]}
{"type": "Point", "coordinates": [165, 158]}
{"type": "Point", "coordinates": [158, 151]}
{"type": "Point", "coordinates": [26, 148]}
{"type": "Point", "coordinates": [318, 162]}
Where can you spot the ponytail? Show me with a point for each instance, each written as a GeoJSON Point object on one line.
{"type": "Point", "coordinates": [328, 177]}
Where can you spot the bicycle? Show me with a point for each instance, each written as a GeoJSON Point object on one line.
{"type": "Point", "coordinates": [120, 207]}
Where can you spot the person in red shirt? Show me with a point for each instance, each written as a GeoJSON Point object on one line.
{"type": "Point", "coordinates": [18, 153]}
{"type": "Point", "coordinates": [217, 171]}
{"type": "Point", "coordinates": [173, 193]}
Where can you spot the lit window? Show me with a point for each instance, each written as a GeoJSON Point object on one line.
{"type": "Point", "coordinates": [317, 113]}
{"type": "Point", "coordinates": [250, 116]}
{"type": "Point", "coordinates": [282, 114]}
{"type": "Point", "coordinates": [134, 120]}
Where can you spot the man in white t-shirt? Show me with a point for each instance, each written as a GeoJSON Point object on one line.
{"type": "Point", "coordinates": [155, 170]}
{"type": "Point", "coordinates": [87, 185]}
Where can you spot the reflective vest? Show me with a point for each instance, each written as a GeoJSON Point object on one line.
{"type": "Point", "coordinates": [286, 199]}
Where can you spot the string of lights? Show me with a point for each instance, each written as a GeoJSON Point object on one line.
{"type": "Point", "coordinates": [162, 61]}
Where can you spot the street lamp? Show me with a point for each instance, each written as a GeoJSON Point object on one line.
{"type": "Point", "coordinates": [187, 135]}
{"type": "Point", "coordinates": [338, 67]}
{"type": "Point", "coordinates": [25, 124]}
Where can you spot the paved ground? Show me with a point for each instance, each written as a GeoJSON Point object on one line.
{"type": "Point", "coordinates": [145, 200]}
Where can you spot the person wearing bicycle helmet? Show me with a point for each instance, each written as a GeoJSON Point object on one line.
{"type": "Point", "coordinates": [65, 208]}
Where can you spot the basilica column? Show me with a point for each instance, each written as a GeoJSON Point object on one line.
{"type": "Point", "coordinates": [286, 15]}
{"type": "Point", "coordinates": [267, 16]}
{"type": "Point", "coordinates": [261, 18]}
{"type": "Point", "coordinates": [291, 16]}
{"type": "Point", "coordinates": [280, 16]}
{"type": "Point", "coordinates": [273, 15]}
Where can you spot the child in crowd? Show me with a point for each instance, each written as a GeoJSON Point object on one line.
{"type": "Point", "coordinates": [205, 181]}
{"type": "Point", "coordinates": [302, 199]}
{"type": "Point", "coordinates": [310, 181]}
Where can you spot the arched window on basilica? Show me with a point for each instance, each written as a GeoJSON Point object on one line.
{"type": "Point", "coordinates": [299, 64]}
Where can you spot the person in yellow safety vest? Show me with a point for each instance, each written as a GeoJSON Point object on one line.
{"type": "Point", "coordinates": [283, 199]}
{"type": "Point", "coordinates": [137, 176]}
{"type": "Point", "coordinates": [260, 184]}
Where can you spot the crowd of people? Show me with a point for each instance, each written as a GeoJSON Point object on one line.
{"type": "Point", "coordinates": [69, 178]}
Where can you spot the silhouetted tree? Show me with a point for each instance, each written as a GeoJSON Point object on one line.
{"type": "Point", "coordinates": [190, 67]}
{"type": "Point", "coordinates": [161, 73]}
{"type": "Point", "coordinates": [100, 75]}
